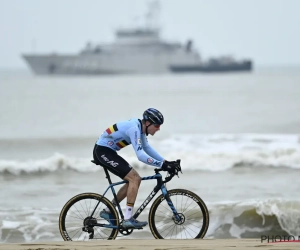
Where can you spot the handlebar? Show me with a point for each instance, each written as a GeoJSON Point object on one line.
{"type": "Point", "coordinates": [170, 177]}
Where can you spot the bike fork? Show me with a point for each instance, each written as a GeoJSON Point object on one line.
{"type": "Point", "coordinates": [170, 203]}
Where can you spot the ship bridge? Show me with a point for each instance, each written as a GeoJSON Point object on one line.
{"type": "Point", "coordinates": [137, 36]}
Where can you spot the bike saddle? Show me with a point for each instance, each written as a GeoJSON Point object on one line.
{"type": "Point", "coordinates": [97, 163]}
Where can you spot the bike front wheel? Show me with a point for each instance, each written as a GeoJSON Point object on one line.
{"type": "Point", "coordinates": [77, 222]}
{"type": "Point", "coordinates": [192, 220]}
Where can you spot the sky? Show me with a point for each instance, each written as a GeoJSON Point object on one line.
{"type": "Point", "coordinates": [266, 31]}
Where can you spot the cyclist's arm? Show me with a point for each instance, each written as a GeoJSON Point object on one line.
{"type": "Point", "coordinates": [135, 137]}
{"type": "Point", "coordinates": [149, 150]}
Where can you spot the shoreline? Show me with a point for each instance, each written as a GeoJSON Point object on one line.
{"type": "Point", "coordinates": [207, 244]}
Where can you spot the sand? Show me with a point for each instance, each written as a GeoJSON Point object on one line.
{"type": "Point", "coordinates": [206, 244]}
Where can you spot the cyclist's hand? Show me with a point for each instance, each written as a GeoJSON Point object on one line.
{"type": "Point", "coordinates": [170, 162]}
{"type": "Point", "coordinates": [171, 167]}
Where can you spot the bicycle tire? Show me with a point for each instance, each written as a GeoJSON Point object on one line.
{"type": "Point", "coordinates": [76, 213]}
{"type": "Point", "coordinates": [194, 221]}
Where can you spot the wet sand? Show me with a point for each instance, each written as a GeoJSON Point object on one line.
{"type": "Point", "coordinates": [206, 244]}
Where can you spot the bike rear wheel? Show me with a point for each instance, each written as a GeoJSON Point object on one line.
{"type": "Point", "coordinates": [77, 224]}
{"type": "Point", "coordinates": [193, 213]}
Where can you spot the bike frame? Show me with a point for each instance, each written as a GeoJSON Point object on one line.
{"type": "Point", "coordinates": [160, 186]}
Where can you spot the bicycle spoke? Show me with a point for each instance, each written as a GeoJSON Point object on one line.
{"type": "Point", "coordinates": [78, 223]}
{"type": "Point", "coordinates": [191, 220]}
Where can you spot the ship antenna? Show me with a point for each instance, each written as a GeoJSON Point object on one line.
{"type": "Point", "coordinates": [152, 15]}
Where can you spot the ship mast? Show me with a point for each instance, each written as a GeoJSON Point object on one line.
{"type": "Point", "coordinates": [152, 15]}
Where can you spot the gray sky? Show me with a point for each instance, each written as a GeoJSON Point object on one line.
{"type": "Point", "coordinates": [268, 31]}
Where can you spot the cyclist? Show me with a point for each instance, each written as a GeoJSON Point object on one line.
{"type": "Point", "coordinates": [118, 136]}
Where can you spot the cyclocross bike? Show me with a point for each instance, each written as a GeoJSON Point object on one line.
{"type": "Point", "coordinates": [175, 214]}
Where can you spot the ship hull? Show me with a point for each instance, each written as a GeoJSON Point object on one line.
{"type": "Point", "coordinates": [104, 64]}
{"type": "Point", "coordinates": [212, 68]}
{"type": "Point", "coordinates": [126, 64]}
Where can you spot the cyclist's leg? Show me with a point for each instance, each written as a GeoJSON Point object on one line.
{"type": "Point", "coordinates": [122, 193]}
{"type": "Point", "coordinates": [120, 167]}
{"type": "Point", "coordinates": [134, 180]}
{"type": "Point", "coordinates": [115, 164]}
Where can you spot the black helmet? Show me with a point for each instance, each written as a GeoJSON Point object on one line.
{"type": "Point", "coordinates": [153, 116]}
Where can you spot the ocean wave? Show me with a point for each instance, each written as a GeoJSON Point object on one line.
{"type": "Point", "coordinates": [28, 225]}
{"type": "Point", "coordinates": [199, 162]}
{"type": "Point", "coordinates": [55, 163]}
{"type": "Point", "coordinates": [254, 218]}
{"type": "Point", "coordinates": [232, 219]}
{"type": "Point", "coordinates": [218, 152]}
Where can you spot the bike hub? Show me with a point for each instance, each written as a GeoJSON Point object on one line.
{"type": "Point", "coordinates": [179, 219]}
{"type": "Point", "coordinates": [88, 221]}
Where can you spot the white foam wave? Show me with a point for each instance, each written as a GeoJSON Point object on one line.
{"type": "Point", "coordinates": [228, 219]}
{"type": "Point", "coordinates": [252, 217]}
{"type": "Point", "coordinates": [287, 213]}
{"type": "Point", "coordinates": [197, 152]}
{"type": "Point", "coordinates": [54, 163]}
{"type": "Point", "coordinates": [28, 225]}
{"type": "Point", "coordinates": [224, 151]}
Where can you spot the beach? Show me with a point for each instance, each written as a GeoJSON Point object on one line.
{"type": "Point", "coordinates": [207, 244]}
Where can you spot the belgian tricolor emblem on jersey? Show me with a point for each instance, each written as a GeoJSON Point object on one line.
{"type": "Point", "coordinates": [112, 129]}
{"type": "Point", "coordinates": [122, 144]}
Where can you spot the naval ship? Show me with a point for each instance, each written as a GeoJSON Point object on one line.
{"type": "Point", "coordinates": [134, 51]}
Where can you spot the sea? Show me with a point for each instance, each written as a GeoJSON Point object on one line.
{"type": "Point", "coordinates": [237, 135]}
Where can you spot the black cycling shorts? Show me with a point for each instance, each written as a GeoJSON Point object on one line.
{"type": "Point", "coordinates": [109, 158]}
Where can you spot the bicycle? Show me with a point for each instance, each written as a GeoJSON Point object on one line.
{"type": "Point", "coordinates": [175, 214]}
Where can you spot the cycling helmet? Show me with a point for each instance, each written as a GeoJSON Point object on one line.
{"type": "Point", "coordinates": [153, 116]}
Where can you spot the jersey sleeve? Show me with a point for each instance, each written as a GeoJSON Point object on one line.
{"type": "Point", "coordinates": [135, 136]}
{"type": "Point", "coordinates": [149, 150]}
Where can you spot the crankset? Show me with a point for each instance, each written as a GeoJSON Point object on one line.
{"type": "Point", "coordinates": [126, 231]}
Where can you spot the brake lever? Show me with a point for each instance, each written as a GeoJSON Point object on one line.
{"type": "Point", "coordinates": [177, 172]}
{"type": "Point", "coordinates": [178, 162]}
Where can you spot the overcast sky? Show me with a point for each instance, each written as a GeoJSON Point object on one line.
{"type": "Point", "coordinates": [268, 31]}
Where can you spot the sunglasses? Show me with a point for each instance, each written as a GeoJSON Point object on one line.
{"type": "Point", "coordinates": [156, 125]}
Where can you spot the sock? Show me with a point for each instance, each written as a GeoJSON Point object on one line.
{"type": "Point", "coordinates": [114, 203]}
{"type": "Point", "coordinates": [129, 210]}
